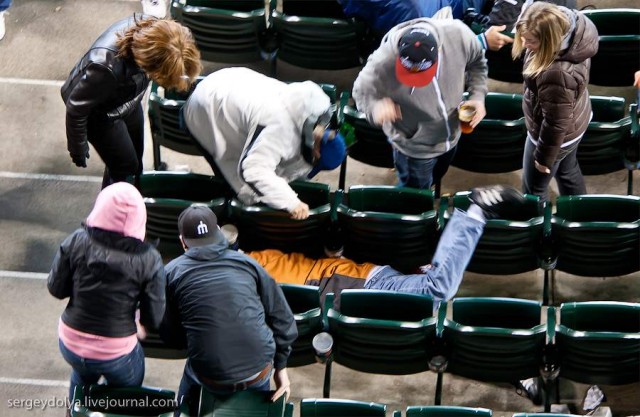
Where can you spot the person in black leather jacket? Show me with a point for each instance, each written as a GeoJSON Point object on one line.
{"type": "Point", "coordinates": [104, 90]}
{"type": "Point", "coordinates": [107, 271]}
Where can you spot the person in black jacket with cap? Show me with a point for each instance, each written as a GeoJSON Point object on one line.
{"type": "Point", "coordinates": [229, 313]}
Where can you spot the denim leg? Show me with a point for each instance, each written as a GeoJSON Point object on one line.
{"type": "Point", "coordinates": [454, 251]}
{"type": "Point", "coordinates": [4, 5]}
{"type": "Point", "coordinates": [442, 164]}
{"type": "Point", "coordinates": [569, 176]}
{"type": "Point", "coordinates": [125, 371]}
{"type": "Point", "coordinates": [412, 172]}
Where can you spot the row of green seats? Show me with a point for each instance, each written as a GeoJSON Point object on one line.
{"type": "Point", "coordinates": [496, 146]}
{"type": "Point", "coordinates": [590, 235]}
{"type": "Point", "coordinates": [498, 340]}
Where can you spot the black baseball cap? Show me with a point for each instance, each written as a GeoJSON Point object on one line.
{"type": "Point", "coordinates": [198, 226]}
{"type": "Point", "coordinates": [417, 61]}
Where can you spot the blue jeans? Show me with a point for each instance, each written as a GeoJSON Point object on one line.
{"type": "Point", "coordinates": [565, 170]}
{"type": "Point", "coordinates": [4, 5]}
{"type": "Point", "coordinates": [188, 391]}
{"type": "Point", "coordinates": [454, 251]}
{"type": "Point", "coordinates": [421, 173]}
{"type": "Point", "coordinates": [125, 371]}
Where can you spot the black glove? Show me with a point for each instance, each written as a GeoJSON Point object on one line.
{"type": "Point", "coordinates": [80, 156]}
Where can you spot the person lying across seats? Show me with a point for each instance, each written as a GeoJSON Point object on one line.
{"type": "Point", "coordinates": [439, 279]}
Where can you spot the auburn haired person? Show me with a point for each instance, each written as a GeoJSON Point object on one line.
{"type": "Point", "coordinates": [558, 44]}
{"type": "Point", "coordinates": [104, 90]}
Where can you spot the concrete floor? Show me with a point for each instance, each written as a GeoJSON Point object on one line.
{"type": "Point", "coordinates": [43, 197]}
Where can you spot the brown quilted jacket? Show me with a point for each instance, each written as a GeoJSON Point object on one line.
{"type": "Point", "coordinates": [556, 102]}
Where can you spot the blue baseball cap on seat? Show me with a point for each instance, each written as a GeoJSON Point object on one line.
{"type": "Point", "coordinates": [332, 153]}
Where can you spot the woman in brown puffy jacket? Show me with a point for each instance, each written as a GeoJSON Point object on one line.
{"type": "Point", "coordinates": [558, 44]}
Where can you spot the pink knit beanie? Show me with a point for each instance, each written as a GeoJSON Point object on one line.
{"type": "Point", "coordinates": [119, 208]}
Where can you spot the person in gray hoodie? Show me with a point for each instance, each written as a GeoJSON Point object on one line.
{"type": "Point", "coordinates": [412, 86]}
{"type": "Point", "coordinates": [260, 134]}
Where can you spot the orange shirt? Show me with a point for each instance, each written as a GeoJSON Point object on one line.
{"type": "Point", "coordinates": [295, 268]}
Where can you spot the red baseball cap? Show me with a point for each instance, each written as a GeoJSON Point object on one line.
{"type": "Point", "coordinates": [417, 61]}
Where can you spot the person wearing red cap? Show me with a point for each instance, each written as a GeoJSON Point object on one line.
{"type": "Point", "coordinates": [412, 86]}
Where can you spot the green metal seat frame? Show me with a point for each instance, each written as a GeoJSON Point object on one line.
{"type": "Point", "coordinates": [261, 227]}
{"type": "Point", "coordinates": [388, 225]}
{"type": "Point", "coordinates": [330, 407]}
{"type": "Point", "coordinates": [242, 403]}
{"type": "Point", "coordinates": [164, 109]}
{"type": "Point", "coordinates": [496, 145]}
{"type": "Point", "coordinates": [304, 301]}
{"type": "Point", "coordinates": [382, 332]}
{"type": "Point", "coordinates": [447, 411]}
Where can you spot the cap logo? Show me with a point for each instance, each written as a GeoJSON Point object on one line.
{"type": "Point", "coordinates": [202, 228]}
{"type": "Point", "coordinates": [412, 66]}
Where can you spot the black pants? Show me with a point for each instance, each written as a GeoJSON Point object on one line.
{"type": "Point", "coordinates": [565, 170]}
{"type": "Point", "coordinates": [120, 144]}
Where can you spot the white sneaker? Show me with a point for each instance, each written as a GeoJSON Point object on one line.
{"type": "Point", "coordinates": [156, 8]}
{"type": "Point", "coordinates": [2, 27]}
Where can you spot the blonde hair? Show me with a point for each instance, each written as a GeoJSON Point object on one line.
{"type": "Point", "coordinates": [548, 24]}
{"type": "Point", "coordinates": [164, 49]}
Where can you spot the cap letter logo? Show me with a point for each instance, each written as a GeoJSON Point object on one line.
{"type": "Point", "coordinates": [202, 228]}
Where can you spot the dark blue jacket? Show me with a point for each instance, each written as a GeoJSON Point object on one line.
{"type": "Point", "coordinates": [229, 312]}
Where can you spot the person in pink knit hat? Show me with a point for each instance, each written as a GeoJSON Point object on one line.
{"type": "Point", "coordinates": [107, 271]}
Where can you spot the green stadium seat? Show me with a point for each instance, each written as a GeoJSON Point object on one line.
{"type": "Point", "coordinates": [166, 194]}
{"type": "Point", "coordinates": [320, 42]}
{"type": "Point", "coordinates": [226, 31]}
{"type": "Point", "coordinates": [597, 235]}
{"type": "Point", "coordinates": [304, 301]}
{"type": "Point", "coordinates": [598, 342]}
{"type": "Point", "coordinates": [261, 227]}
{"type": "Point", "coordinates": [382, 332]}
{"type": "Point", "coordinates": [618, 47]}
{"type": "Point", "coordinates": [105, 401]}
{"type": "Point", "coordinates": [509, 245]}
{"type": "Point", "coordinates": [491, 339]}
{"type": "Point", "coordinates": [164, 109]}
{"type": "Point", "coordinates": [388, 225]}
{"type": "Point", "coordinates": [447, 411]}
{"type": "Point", "coordinates": [496, 145]}
{"type": "Point", "coordinates": [242, 403]}
{"type": "Point", "coordinates": [329, 407]}
{"type": "Point", "coordinates": [602, 148]}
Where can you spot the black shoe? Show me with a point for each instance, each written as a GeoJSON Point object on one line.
{"type": "Point", "coordinates": [497, 201]}
{"type": "Point", "coordinates": [530, 388]}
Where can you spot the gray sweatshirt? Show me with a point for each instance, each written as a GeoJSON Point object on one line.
{"type": "Point", "coordinates": [429, 126]}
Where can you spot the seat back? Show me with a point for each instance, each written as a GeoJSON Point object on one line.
{"type": "Point", "coordinates": [371, 146]}
{"type": "Point", "coordinates": [602, 147]}
{"type": "Point", "coordinates": [619, 42]}
{"type": "Point", "coordinates": [447, 411]}
{"type": "Point", "coordinates": [509, 245]}
{"type": "Point", "coordinates": [261, 227]}
{"type": "Point", "coordinates": [383, 332]}
{"type": "Point", "coordinates": [502, 67]}
{"type": "Point", "coordinates": [304, 301]}
{"type": "Point", "coordinates": [494, 339]}
{"type": "Point", "coordinates": [328, 407]}
{"type": "Point", "coordinates": [323, 43]}
{"type": "Point", "coordinates": [496, 145]}
{"type": "Point", "coordinates": [225, 31]}
{"type": "Point", "coordinates": [597, 235]}
{"type": "Point", "coordinates": [166, 194]}
{"type": "Point", "coordinates": [241, 403]}
{"type": "Point", "coordinates": [599, 342]}
{"type": "Point", "coordinates": [105, 401]}
{"type": "Point", "coordinates": [388, 225]}
{"type": "Point", "coordinates": [164, 110]}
